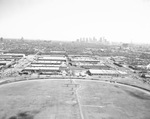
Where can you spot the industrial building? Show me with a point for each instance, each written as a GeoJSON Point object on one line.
{"type": "Point", "coordinates": [5, 62]}
{"type": "Point", "coordinates": [103, 72]}
{"type": "Point", "coordinates": [84, 59]}
{"type": "Point", "coordinates": [92, 65]}
{"type": "Point", "coordinates": [12, 55]}
{"type": "Point", "coordinates": [47, 62]}
{"type": "Point", "coordinates": [47, 65]}
{"type": "Point", "coordinates": [43, 65]}
{"type": "Point", "coordinates": [104, 67]}
{"type": "Point", "coordinates": [58, 52]}
{"type": "Point", "coordinates": [8, 59]}
{"type": "Point", "coordinates": [63, 59]}
{"type": "Point", "coordinates": [42, 69]}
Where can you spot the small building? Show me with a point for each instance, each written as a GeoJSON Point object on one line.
{"type": "Point", "coordinates": [80, 73]}
{"type": "Point", "coordinates": [148, 66]}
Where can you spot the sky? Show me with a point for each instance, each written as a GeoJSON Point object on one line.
{"type": "Point", "coordinates": [116, 20]}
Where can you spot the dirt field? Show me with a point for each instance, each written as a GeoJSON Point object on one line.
{"type": "Point", "coordinates": [59, 99]}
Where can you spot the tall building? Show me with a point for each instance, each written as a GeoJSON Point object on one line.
{"type": "Point", "coordinates": [100, 39]}
{"type": "Point", "coordinates": [87, 40]}
{"type": "Point", "coordinates": [78, 40]}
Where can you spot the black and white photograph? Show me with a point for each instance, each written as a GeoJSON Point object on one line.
{"type": "Point", "coordinates": [74, 59]}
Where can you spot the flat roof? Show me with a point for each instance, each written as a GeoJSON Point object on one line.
{"type": "Point", "coordinates": [47, 62]}
{"type": "Point", "coordinates": [122, 72]}
{"type": "Point", "coordinates": [9, 54]}
{"type": "Point", "coordinates": [13, 54]}
{"type": "Point", "coordinates": [5, 56]}
{"type": "Point", "coordinates": [52, 58]}
{"type": "Point", "coordinates": [44, 65]}
{"type": "Point", "coordinates": [81, 55]}
{"type": "Point", "coordinates": [97, 71]}
{"type": "Point", "coordinates": [90, 64]}
{"type": "Point", "coordinates": [58, 51]}
{"type": "Point", "coordinates": [51, 55]}
{"type": "Point", "coordinates": [5, 61]}
{"type": "Point", "coordinates": [10, 57]}
{"type": "Point", "coordinates": [42, 68]}
{"type": "Point", "coordinates": [84, 59]}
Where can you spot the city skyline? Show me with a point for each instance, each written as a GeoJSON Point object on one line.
{"type": "Point", "coordinates": [117, 20]}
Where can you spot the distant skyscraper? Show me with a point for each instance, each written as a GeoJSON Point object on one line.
{"type": "Point", "coordinates": [100, 39]}
{"type": "Point", "coordinates": [87, 40]}
{"type": "Point", "coordinates": [83, 40]}
{"type": "Point", "coordinates": [90, 39]}
{"type": "Point", "coordinates": [94, 40]}
{"type": "Point", "coordinates": [78, 40]}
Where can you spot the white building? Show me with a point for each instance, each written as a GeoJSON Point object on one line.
{"type": "Point", "coordinates": [105, 72]}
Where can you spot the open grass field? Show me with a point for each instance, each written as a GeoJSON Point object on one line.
{"type": "Point", "coordinates": [111, 101]}
{"type": "Point", "coordinates": [41, 99]}
{"type": "Point", "coordinates": [61, 99]}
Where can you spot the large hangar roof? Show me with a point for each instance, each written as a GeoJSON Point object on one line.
{"type": "Point", "coordinates": [97, 71]}
{"type": "Point", "coordinates": [44, 65]}
{"type": "Point", "coordinates": [52, 58]}
{"type": "Point", "coordinates": [42, 68]}
{"type": "Point", "coordinates": [48, 62]}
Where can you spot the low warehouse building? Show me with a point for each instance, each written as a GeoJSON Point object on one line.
{"type": "Point", "coordinates": [47, 62]}
{"type": "Point", "coordinates": [104, 67]}
{"type": "Point", "coordinates": [87, 59]}
{"type": "Point", "coordinates": [44, 65]}
{"type": "Point", "coordinates": [102, 72]}
{"type": "Point", "coordinates": [5, 62]}
{"type": "Point", "coordinates": [42, 69]}
{"type": "Point", "coordinates": [52, 59]}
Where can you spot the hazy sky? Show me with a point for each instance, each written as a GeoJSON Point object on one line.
{"type": "Point", "coordinates": [117, 20]}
